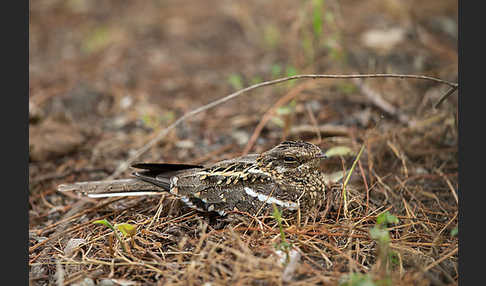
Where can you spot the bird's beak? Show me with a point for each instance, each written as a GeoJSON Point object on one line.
{"type": "Point", "coordinates": [322, 155]}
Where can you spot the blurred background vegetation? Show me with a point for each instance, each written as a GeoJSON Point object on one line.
{"type": "Point", "coordinates": [138, 65]}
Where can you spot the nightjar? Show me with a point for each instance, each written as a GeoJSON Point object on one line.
{"type": "Point", "coordinates": [287, 175]}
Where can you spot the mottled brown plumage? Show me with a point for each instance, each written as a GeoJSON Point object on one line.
{"type": "Point", "coordinates": [287, 175]}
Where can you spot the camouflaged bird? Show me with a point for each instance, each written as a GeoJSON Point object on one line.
{"type": "Point", "coordinates": [287, 175]}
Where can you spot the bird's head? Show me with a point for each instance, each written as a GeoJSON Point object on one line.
{"type": "Point", "coordinates": [292, 156]}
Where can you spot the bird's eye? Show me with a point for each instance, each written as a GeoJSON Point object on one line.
{"type": "Point", "coordinates": [290, 160]}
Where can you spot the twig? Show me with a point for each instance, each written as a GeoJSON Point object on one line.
{"type": "Point", "coordinates": [366, 186]}
{"type": "Point", "coordinates": [446, 95]}
{"type": "Point", "coordinates": [56, 235]}
{"type": "Point", "coordinates": [449, 184]}
{"type": "Point", "coordinates": [123, 166]}
{"type": "Point", "coordinates": [435, 263]}
{"type": "Point", "coordinates": [445, 226]}
{"type": "Point", "coordinates": [345, 255]}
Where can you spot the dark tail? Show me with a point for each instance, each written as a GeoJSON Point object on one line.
{"type": "Point", "coordinates": [154, 180]}
{"type": "Point", "coordinates": [159, 174]}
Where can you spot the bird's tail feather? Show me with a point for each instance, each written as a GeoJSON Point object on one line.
{"type": "Point", "coordinates": [113, 188]}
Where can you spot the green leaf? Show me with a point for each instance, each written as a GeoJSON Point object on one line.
{"type": "Point", "coordinates": [276, 214]}
{"type": "Point", "coordinates": [276, 70]}
{"type": "Point", "coordinates": [329, 17]}
{"type": "Point", "coordinates": [108, 224]}
{"type": "Point", "coordinates": [255, 80]}
{"type": "Point", "coordinates": [317, 18]}
{"type": "Point", "coordinates": [287, 109]}
{"type": "Point", "coordinates": [348, 176]}
{"type": "Point", "coordinates": [379, 235]}
{"type": "Point", "coordinates": [384, 282]}
{"type": "Point", "coordinates": [105, 222]}
{"type": "Point", "coordinates": [278, 121]}
{"type": "Point", "coordinates": [127, 229]}
{"type": "Point", "coordinates": [290, 71]}
{"type": "Point", "coordinates": [168, 116]}
{"type": "Point", "coordinates": [454, 231]}
{"type": "Point", "coordinates": [339, 151]}
{"type": "Point", "coordinates": [271, 34]}
{"type": "Point", "coordinates": [235, 81]}
{"type": "Point", "coordinates": [308, 47]}
{"type": "Point", "coordinates": [394, 258]}
{"type": "Point", "coordinates": [357, 279]}
{"type": "Point", "coordinates": [278, 217]}
{"type": "Point", "coordinates": [97, 40]}
{"type": "Point", "coordinates": [149, 121]}
{"type": "Point", "coordinates": [284, 110]}
{"type": "Point", "coordinates": [347, 88]}
{"type": "Point", "coordinates": [386, 218]}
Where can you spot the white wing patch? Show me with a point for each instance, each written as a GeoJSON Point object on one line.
{"type": "Point", "coordinates": [124, 194]}
{"type": "Point", "coordinates": [270, 200]}
{"type": "Point", "coordinates": [257, 171]}
{"type": "Point", "coordinates": [173, 182]}
{"type": "Point", "coordinates": [188, 202]}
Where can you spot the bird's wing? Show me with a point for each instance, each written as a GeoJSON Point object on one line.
{"type": "Point", "coordinates": [206, 189]}
{"type": "Point", "coordinates": [160, 174]}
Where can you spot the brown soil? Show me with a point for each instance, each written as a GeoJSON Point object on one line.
{"type": "Point", "coordinates": [107, 76]}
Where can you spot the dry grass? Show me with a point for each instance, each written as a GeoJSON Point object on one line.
{"type": "Point", "coordinates": [175, 245]}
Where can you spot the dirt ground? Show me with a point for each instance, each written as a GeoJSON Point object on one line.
{"type": "Point", "coordinates": [107, 77]}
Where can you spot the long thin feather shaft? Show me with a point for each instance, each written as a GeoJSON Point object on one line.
{"type": "Point", "coordinates": [110, 186]}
